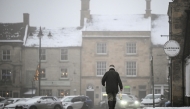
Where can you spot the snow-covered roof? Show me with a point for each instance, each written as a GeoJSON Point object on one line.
{"type": "Point", "coordinates": [160, 26]}
{"type": "Point", "coordinates": [61, 37]}
{"type": "Point", "coordinates": [136, 22]}
{"type": "Point", "coordinates": [12, 32]}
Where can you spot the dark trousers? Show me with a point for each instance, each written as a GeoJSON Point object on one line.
{"type": "Point", "coordinates": [111, 100]}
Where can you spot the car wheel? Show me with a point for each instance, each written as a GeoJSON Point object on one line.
{"type": "Point", "coordinates": [57, 107]}
{"type": "Point", "coordinates": [32, 107]}
{"type": "Point", "coordinates": [70, 107]}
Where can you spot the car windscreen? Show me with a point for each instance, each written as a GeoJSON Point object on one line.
{"type": "Point", "coordinates": [68, 99]}
{"type": "Point", "coordinates": [3, 101]}
{"type": "Point", "coordinates": [151, 96]}
{"type": "Point", "coordinates": [125, 97]}
{"type": "Point", "coordinates": [10, 101]}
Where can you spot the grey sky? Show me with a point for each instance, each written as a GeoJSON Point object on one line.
{"type": "Point", "coordinates": [66, 13]}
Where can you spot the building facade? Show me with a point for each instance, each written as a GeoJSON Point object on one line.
{"type": "Point", "coordinates": [11, 46]}
{"type": "Point", "coordinates": [161, 71]}
{"type": "Point", "coordinates": [59, 62]}
{"type": "Point", "coordinates": [178, 12]}
{"type": "Point", "coordinates": [118, 40]}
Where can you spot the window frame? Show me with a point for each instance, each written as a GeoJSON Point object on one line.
{"type": "Point", "coordinates": [6, 55]}
{"type": "Point", "coordinates": [43, 54]}
{"type": "Point", "coordinates": [43, 76]}
{"type": "Point", "coordinates": [7, 71]}
{"type": "Point", "coordinates": [64, 74]}
{"type": "Point", "coordinates": [102, 70]}
{"type": "Point", "coordinates": [64, 54]}
{"type": "Point", "coordinates": [101, 48]}
{"type": "Point", "coordinates": [127, 69]}
{"type": "Point", "coordinates": [43, 91]}
{"type": "Point", "coordinates": [130, 46]}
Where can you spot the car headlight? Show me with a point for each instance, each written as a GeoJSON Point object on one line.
{"type": "Point", "coordinates": [136, 102]}
{"type": "Point", "coordinates": [123, 102]}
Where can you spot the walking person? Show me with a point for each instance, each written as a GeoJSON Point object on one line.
{"type": "Point", "coordinates": [112, 80]}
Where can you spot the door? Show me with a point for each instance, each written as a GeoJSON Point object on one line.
{"type": "Point", "coordinates": [77, 103]}
{"type": "Point", "coordinates": [41, 103]}
{"type": "Point", "coordinates": [90, 94]}
{"type": "Point", "coordinates": [142, 94]}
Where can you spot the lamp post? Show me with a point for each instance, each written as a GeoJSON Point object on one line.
{"type": "Point", "coordinates": [39, 75]}
{"type": "Point", "coordinates": [151, 59]}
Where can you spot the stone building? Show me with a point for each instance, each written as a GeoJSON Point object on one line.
{"type": "Point", "coordinates": [73, 60]}
{"type": "Point", "coordinates": [178, 12]}
{"type": "Point", "coordinates": [160, 70]}
{"type": "Point", "coordinates": [59, 63]}
{"type": "Point", "coordinates": [125, 41]}
{"type": "Point", "coordinates": [11, 46]}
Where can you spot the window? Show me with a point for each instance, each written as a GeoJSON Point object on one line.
{"type": "Point", "coordinates": [131, 48]}
{"type": "Point", "coordinates": [157, 91]}
{"type": "Point", "coordinates": [6, 75]}
{"type": "Point", "coordinates": [101, 48]}
{"type": "Point", "coordinates": [64, 54]}
{"type": "Point", "coordinates": [131, 68]}
{"type": "Point", "coordinates": [43, 54]}
{"type": "Point", "coordinates": [64, 73]}
{"type": "Point", "coordinates": [127, 89]}
{"type": "Point", "coordinates": [43, 74]}
{"type": "Point", "coordinates": [5, 93]}
{"type": "Point", "coordinates": [6, 55]}
{"type": "Point", "coordinates": [101, 68]}
{"type": "Point", "coordinates": [63, 92]}
{"type": "Point", "coordinates": [46, 92]}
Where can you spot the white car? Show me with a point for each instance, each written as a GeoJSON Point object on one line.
{"type": "Point", "coordinates": [122, 103]}
{"type": "Point", "coordinates": [13, 105]}
{"type": "Point", "coordinates": [159, 100]}
{"type": "Point", "coordinates": [41, 102]}
{"type": "Point", "coordinates": [76, 102]}
{"type": "Point", "coordinates": [8, 101]}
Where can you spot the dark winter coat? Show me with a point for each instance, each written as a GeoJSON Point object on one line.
{"type": "Point", "coordinates": [112, 80]}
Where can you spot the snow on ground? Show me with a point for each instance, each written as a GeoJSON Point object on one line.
{"type": "Point", "coordinates": [167, 108]}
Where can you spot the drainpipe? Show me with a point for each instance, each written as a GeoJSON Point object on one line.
{"type": "Point", "coordinates": [80, 68]}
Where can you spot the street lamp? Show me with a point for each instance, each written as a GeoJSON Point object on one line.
{"type": "Point", "coordinates": [151, 59]}
{"type": "Point", "coordinates": [40, 34]}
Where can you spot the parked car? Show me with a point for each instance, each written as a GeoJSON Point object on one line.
{"type": "Point", "coordinates": [8, 101]}
{"type": "Point", "coordinates": [159, 100]}
{"type": "Point", "coordinates": [125, 102]}
{"type": "Point", "coordinates": [2, 103]}
{"type": "Point", "coordinates": [41, 102]}
{"type": "Point", "coordinates": [77, 102]}
{"type": "Point", "coordinates": [13, 105]}
{"type": "Point", "coordinates": [133, 97]}
{"type": "Point", "coordinates": [2, 98]}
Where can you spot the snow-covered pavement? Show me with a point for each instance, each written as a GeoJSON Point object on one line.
{"type": "Point", "coordinates": [167, 108]}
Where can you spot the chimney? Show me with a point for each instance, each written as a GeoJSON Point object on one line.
{"type": "Point", "coordinates": [26, 19]}
{"type": "Point", "coordinates": [85, 12]}
{"type": "Point", "coordinates": [148, 8]}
